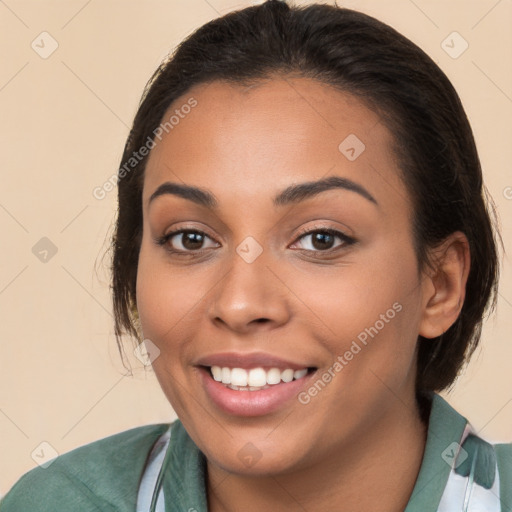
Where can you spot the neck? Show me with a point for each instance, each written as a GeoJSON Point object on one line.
{"type": "Point", "coordinates": [377, 472]}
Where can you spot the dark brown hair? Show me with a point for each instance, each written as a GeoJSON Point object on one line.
{"type": "Point", "coordinates": [358, 54]}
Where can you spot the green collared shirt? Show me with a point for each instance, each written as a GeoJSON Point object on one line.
{"type": "Point", "coordinates": [460, 472]}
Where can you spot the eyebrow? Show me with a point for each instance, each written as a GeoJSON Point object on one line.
{"type": "Point", "coordinates": [290, 195]}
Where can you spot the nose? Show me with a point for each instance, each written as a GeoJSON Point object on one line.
{"type": "Point", "coordinates": [251, 296]}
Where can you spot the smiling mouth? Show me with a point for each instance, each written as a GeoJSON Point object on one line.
{"type": "Point", "coordinates": [255, 379]}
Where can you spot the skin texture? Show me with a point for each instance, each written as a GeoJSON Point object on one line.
{"type": "Point", "coordinates": [359, 442]}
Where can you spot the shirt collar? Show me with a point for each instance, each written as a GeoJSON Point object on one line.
{"type": "Point", "coordinates": [445, 429]}
{"type": "Point", "coordinates": [185, 476]}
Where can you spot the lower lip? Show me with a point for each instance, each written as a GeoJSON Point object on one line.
{"type": "Point", "coordinates": [251, 403]}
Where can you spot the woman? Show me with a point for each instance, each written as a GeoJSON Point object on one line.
{"type": "Point", "coordinates": [304, 245]}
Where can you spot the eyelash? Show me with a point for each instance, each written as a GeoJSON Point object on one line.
{"type": "Point", "coordinates": [346, 240]}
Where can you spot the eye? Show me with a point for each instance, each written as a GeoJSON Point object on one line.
{"type": "Point", "coordinates": [184, 240]}
{"type": "Point", "coordinates": [189, 241]}
{"type": "Point", "coordinates": [322, 239]}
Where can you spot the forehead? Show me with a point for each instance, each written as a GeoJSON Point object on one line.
{"type": "Point", "coordinates": [255, 140]}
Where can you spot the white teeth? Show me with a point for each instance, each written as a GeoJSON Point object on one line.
{"type": "Point", "coordinates": [257, 377]}
{"type": "Point", "coordinates": [226, 376]}
{"type": "Point", "coordinates": [298, 374]}
{"type": "Point", "coordinates": [287, 375]}
{"type": "Point", "coordinates": [274, 376]}
{"type": "Point", "coordinates": [238, 377]}
{"type": "Point", "coordinates": [246, 388]}
{"type": "Point", "coordinates": [217, 373]}
{"type": "Point", "coordinates": [254, 379]}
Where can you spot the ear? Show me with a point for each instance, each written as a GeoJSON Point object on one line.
{"type": "Point", "coordinates": [445, 285]}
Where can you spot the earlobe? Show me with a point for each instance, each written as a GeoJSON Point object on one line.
{"type": "Point", "coordinates": [445, 286]}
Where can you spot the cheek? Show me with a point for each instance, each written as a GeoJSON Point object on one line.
{"type": "Point", "coordinates": [162, 299]}
{"type": "Point", "coordinates": [370, 313]}
{"type": "Point", "coordinates": [164, 307]}
{"type": "Point", "coordinates": [353, 296]}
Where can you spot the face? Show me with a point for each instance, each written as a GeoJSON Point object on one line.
{"type": "Point", "coordinates": [275, 282]}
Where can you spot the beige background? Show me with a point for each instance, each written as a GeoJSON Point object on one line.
{"type": "Point", "coordinates": [64, 120]}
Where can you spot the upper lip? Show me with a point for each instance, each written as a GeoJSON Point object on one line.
{"type": "Point", "coordinates": [249, 360]}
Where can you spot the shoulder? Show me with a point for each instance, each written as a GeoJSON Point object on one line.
{"type": "Point", "coordinates": [100, 476]}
